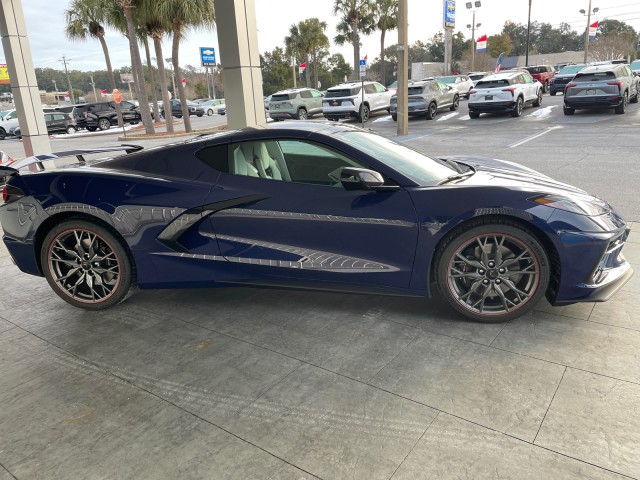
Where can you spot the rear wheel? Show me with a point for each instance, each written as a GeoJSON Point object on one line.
{"type": "Point", "coordinates": [71, 130]}
{"type": "Point", "coordinates": [209, 112]}
{"type": "Point", "coordinates": [517, 108]}
{"type": "Point", "coordinates": [302, 114]}
{"type": "Point", "coordinates": [568, 110]}
{"type": "Point", "coordinates": [394, 117]}
{"type": "Point", "coordinates": [538, 101]}
{"type": "Point", "coordinates": [456, 103]}
{"type": "Point", "coordinates": [432, 110]}
{"type": "Point", "coordinates": [104, 124]}
{"type": "Point", "coordinates": [3, 134]}
{"type": "Point", "coordinates": [622, 108]}
{"type": "Point", "coordinates": [86, 265]}
{"type": "Point", "coordinates": [493, 271]}
{"type": "Point", "coordinates": [474, 114]}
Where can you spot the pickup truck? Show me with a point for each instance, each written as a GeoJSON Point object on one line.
{"type": "Point", "coordinates": [543, 74]}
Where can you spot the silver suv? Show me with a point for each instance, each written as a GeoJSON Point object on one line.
{"type": "Point", "coordinates": [426, 98]}
{"type": "Point", "coordinates": [347, 100]}
{"type": "Point", "coordinates": [299, 103]}
{"type": "Point", "coordinates": [601, 86]}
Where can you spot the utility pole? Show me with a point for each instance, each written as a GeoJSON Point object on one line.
{"type": "Point", "coordinates": [66, 70]}
{"type": "Point", "coordinates": [293, 69]}
{"type": "Point", "coordinates": [403, 68]}
{"type": "Point", "coordinates": [526, 58]}
{"type": "Point", "coordinates": [93, 85]}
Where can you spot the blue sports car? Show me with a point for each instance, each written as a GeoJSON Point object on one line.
{"type": "Point", "coordinates": [316, 206]}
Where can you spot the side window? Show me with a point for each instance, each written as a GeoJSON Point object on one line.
{"type": "Point", "coordinates": [443, 86]}
{"type": "Point", "coordinates": [290, 161]}
{"type": "Point", "coordinates": [379, 88]}
{"type": "Point", "coordinates": [58, 116]}
{"type": "Point", "coordinates": [305, 94]}
{"type": "Point", "coordinates": [435, 86]}
{"type": "Point", "coordinates": [48, 117]}
{"type": "Point", "coordinates": [216, 157]}
{"type": "Point", "coordinates": [369, 89]}
{"type": "Point", "coordinates": [315, 94]}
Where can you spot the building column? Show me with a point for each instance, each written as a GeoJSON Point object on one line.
{"type": "Point", "coordinates": [240, 56]}
{"type": "Point", "coordinates": [24, 85]}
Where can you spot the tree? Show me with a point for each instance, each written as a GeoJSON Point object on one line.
{"type": "Point", "coordinates": [497, 44]}
{"type": "Point", "coordinates": [386, 18]}
{"type": "Point", "coordinates": [356, 16]}
{"type": "Point", "coordinates": [276, 71]}
{"type": "Point", "coordinates": [611, 47]}
{"type": "Point", "coordinates": [517, 33]}
{"type": "Point", "coordinates": [304, 41]}
{"type": "Point", "coordinates": [182, 15]}
{"type": "Point", "coordinates": [85, 18]}
{"type": "Point", "coordinates": [126, 7]}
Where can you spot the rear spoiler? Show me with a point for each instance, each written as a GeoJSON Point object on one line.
{"type": "Point", "coordinates": [12, 168]}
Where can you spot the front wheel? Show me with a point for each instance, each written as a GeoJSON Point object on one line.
{"type": "Point", "coordinates": [553, 93]}
{"type": "Point", "coordinates": [86, 265]}
{"type": "Point", "coordinates": [517, 108]}
{"type": "Point", "coordinates": [432, 109]}
{"type": "Point", "coordinates": [3, 134]}
{"type": "Point", "coordinates": [364, 113]}
{"type": "Point", "coordinates": [394, 117]}
{"type": "Point", "coordinates": [302, 114]}
{"type": "Point", "coordinates": [456, 103]}
{"type": "Point", "coordinates": [538, 100]}
{"type": "Point", "coordinates": [71, 130]}
{"type": "Point", "coordinates": [493, 272]}
{"type": "Point", "coordinates": [209, 112]}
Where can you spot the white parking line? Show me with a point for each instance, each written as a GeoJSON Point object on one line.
{"type": "Point", "coordinates": [517, 144]}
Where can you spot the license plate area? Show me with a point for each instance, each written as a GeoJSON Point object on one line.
{"type": "Point", "coordinates": [488, 97]}
{"type": "Point", "coordinates": [591, 91]}
{"type": "Point", "coordinates": [276, 106]}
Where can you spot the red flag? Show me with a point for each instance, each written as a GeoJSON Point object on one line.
{"type": "Point", "coordinates": [303, 65]}
{"type": "Point", "coordinates": [365, 58]}
{"type": "Point", "coordinates": [104, 92]}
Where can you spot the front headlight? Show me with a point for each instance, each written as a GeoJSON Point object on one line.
{"type": "Point", "coordinates": [594, 207]}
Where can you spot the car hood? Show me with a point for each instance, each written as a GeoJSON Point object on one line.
{"type": "Point", "coordinates": [495, 172]}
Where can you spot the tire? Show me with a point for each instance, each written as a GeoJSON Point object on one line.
{"type": "Point", "coordinates": [622, 108]}
{"type": "Point", "coordinates": [363, 116]}
{"type": "Point", "coordinates": [3, 134]}
{"type": "Point", "coordinates": [104, 124]}
{"type": "Point", "coordinates": [209, 112]}
{"type": "Point", "coordinates": [552, 93]}
{"type": "Point", "coordinates": [92, 129]}
{"type": "Point", "coordinates": [474, 115]}
{"type": "Point", "coordinates": [456, 103]}
{"type": "Point", "coordinates": [178, 116]}
{"type": "Point", "coordinates": [71, 129]}
{"type": "Point", "coordinates": [545, 87]}
{"type": "Point", "coordinates": [302, 114]}
{"type": "Point", "coordinates": [493, 270]}
{"type": "Point", "coordinates": [432, 110]}
{"type": "Point", "coordinates": [394, 117]}
{"type": "Point", "coordinates": [568, 110]}
{"type": "Point", "coordinates": [634, 99]}
{"type": "Point", "coordinates": [200, 114]}
{"type": "Point", "coordinates": [65, 255]}
{"type": "Point", "coordinates": [538, 101]}
{"type": "Point", "coordinates": [517, 108]}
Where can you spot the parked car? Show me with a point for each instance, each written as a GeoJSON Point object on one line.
{"type": "Point", "coordinates": [543, 74]}
{"type": "Point", "coordinates": [393, 87]}
{"type": "Point", "coordinates": [57, 122]}
{"type": "Point", "coordinates": [462, 83]}
{"type": "Point", "coordinates": [564, 76]}
{"type": "Point", "coordinates": [298, 103]}
{"type": "Point", "coordinates": [602, 86]}
{"type": "Point", "coordinates": [211, 106]}
{"type": "Point", "coordinates": [8, 120]}
{"type": "Point", "coordinates": [222, 109]}
{"type": "Point", "coordinates": [635, 67]}
{"type": "Point", "coordinates": [330, 207]}
{"type": "Point", "coordinates": [176, 109]}
{"type": "Point", "coordinates": [507, 92]}
{"type": "Point", "coordinates": [426, 98]}
{"type": "Point", "coordinates": [346, 100]}
{"type": "Point", "coordinates": [102, 115]}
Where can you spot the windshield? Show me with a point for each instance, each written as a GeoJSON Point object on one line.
{"type": "Point", "coordinates": [635, 65]}
{"type": "Point", "coordinates": [447, 79]}
{"type": "Point", "coordinates": [570, 69]}
{"type": "Point", "coordinates": [421, 169]}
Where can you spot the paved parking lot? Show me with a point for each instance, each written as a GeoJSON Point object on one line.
{"type": "Point", "coordinates": [253, 383]}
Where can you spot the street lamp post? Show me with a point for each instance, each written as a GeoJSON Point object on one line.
{"type": "Point", "coordinates": [586, 34]}
{"type": "Point", "coordinates": [526, 58]}
{"type": "Point", "coordinates": [472, 7]}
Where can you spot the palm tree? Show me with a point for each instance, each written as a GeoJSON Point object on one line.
{"type": "Point", "coordinates": [386, 18]}
{"type": "Point", "coordinates": [85, 18]}
{"type": "Point", "coordinates": [355, 17]}
{"type": "Point", "coordinates": [126, 7]}
{"type": "Point", "coordinates": [304, 41]}
{"type": "Point", "coordinates": [182, 15]}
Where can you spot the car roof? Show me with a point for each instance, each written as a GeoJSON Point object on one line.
{"type": "Point", "coordinates": [293, 90]}
{"type": "Point", "coordinates": [350, 84]}
{"type": "Point", "coordinates": [610, 67]}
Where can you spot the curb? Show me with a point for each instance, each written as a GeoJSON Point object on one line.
{"type": "Point", "coordinates": [160, 135]}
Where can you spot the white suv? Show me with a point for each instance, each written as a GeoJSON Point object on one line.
{"type": "Point", "coordinates": [505, 92]}
{"type": "Point", "coordinates": [346, 100]}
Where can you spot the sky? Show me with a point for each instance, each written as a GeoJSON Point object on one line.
{"type": "Point", "coordinates": [45, 26]}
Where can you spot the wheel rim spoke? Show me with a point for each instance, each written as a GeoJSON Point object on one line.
{"type": "Point", "coordinates": [84, 265]}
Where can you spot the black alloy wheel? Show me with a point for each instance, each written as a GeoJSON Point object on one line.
{"type": "Point", "coordinates": [493, 272]}
{"type": "Point", "coordinates": [86, 265]}
{"type": "Point", "coordinates": [456, 103]}
{"type": "Point", "coordinates": [432, 110]}
{"type": "Point", "coordinates": [364, 113]}
{"type": "Point", "coordinates": [302, 114]}
{"type": "Point", "coordinates": [517, 108]}
{"type": "Point", "coordinates": [622, 108]}
{"type": "Point", "coordinates": [538, 101]}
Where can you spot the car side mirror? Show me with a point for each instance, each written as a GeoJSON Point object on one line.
{"type": "Point", "coordinates": [353, 178]}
